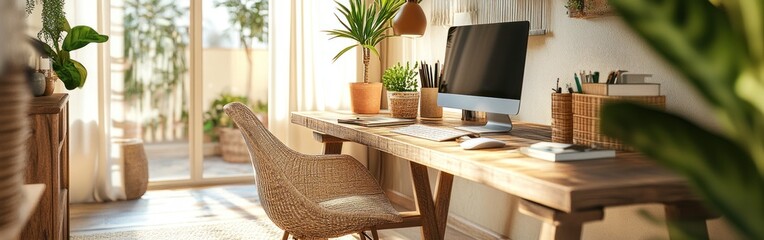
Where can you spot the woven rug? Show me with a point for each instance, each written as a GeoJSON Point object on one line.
{"type": "Point", "coordinates": [230, 229]}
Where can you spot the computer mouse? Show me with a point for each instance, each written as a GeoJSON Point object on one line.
{"type": "Point", "coordinates": [482, 143]}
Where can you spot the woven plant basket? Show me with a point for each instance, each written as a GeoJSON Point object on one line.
{"type": "Point", "coordinates": [14, 132]}
{"type": "Point", "coordinates": [562, 117]}
{"type": "Point", "coordinates": [136, 177]}
{"type": "Point", "coordinates": [232, 145]}
{"type": "Point", "coordinates": [591, 9]}
{"type": "Point", "coordinates": [403, 104]}
{"type": "Point", "coordinates": [586, 118]}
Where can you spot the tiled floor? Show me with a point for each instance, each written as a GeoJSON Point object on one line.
{"type": "Point", "coordinates": [170, 161]}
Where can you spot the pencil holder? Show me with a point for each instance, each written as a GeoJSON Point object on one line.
{"type": "Point", "coordinates": [428, 105]}
{"type": "Point", "coordinates": [562, 117]}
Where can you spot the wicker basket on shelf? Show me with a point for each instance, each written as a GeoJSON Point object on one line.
{"type": "Point", "coordinates": [586, 118]}
{"type": "Point", "coordinates": [232, 145]}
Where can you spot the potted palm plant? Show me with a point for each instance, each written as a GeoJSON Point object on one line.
{"type": "Point", "coordinates": [402, 95]}
{"type": "Point", "coordinates": [367, 26]}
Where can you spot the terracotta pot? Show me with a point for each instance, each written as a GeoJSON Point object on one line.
{"type": "Point", "coordinates": [365, 98]}
{"type": "Point", "coordinates": [403, 104]}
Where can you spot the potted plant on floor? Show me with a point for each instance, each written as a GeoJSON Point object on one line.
{"type": "Point", "coordinates": [366, 26]}
{"type": "Point", "coordinates": [218, 127]}
{"type": "Point", "coordinates": [402, 94]}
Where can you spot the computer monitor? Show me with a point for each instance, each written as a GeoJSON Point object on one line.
{"type": "Point", "coordinates": [483, 71]}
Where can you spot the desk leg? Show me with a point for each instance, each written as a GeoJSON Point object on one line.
{"type": "Point", "coordinates": [559, 225]}
{"type": "Point", "coordinates": [689, 216]}
{"type": "Point", "coordinates": [332, 144]}
{"type": "Point", "coordinates": [425, 203]}
{"type": "Point", "coordinates": [442, 199]}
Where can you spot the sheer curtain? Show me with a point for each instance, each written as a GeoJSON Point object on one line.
{"type": "Point", "coordinates": [94, 175]}
{"type": "Point", "coordinates": [303, 76]}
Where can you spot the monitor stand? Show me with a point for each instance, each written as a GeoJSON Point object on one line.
{"type": "Point", "coordinates": [497, 123]}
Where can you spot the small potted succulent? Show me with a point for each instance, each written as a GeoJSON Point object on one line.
{"type": "Point", "coordinates": [402, 95]}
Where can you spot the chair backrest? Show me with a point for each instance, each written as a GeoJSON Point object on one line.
{"type": "Point", "coordinates": [272, 161]}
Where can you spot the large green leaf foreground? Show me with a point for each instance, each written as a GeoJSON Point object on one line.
{"type": "Point", "coordinates": [721, 171]}
{"type": "Point", "coordinates": [720, 52]}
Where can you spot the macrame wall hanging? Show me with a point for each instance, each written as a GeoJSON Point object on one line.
{"type": "Point", "coordinates": [458, 12]}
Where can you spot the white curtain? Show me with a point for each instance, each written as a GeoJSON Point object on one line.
{"type": "Point", "coordinates": [93, 174]}
{"type": "Point", "coordinates": [303, 76]}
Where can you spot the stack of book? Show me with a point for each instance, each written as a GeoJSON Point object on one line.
{"type": "Point", "coordinates": [628, 85]}
{"type": "Point", "coordinates": [564, 152]}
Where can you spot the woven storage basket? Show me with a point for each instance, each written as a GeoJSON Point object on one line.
{"type": "Point", "coordinates": [586, 118]}
{"type": "Point", "coordinates": [562, 117]}
{"type": "Point", "coordinates": [232, 145]}
{"type": "Point", "coordinates": [136, 167]}
{"type": "Point", "coordinates": [403, 104]}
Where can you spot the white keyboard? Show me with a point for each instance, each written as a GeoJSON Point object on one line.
{"type": "Point", "coordinates": [431, 133]}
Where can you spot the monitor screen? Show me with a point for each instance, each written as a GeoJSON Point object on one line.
{"type": "Point", "coordinates": [486, 60]}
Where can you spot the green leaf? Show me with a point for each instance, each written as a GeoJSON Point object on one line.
{"type": "Point", "coordinates": [718, 168]}
{"type": "Point", "coordinates": [65, 25]}
{"type": "Point", "coordinates": [81, 36]}
{"type": "Point", "coordinates": [83, 72]}
{"type": "Point", "coordinates": [342, 52]}
{"type": "Point", "coordinates": [68, 73]}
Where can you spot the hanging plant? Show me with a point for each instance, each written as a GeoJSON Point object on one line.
{"type": "Point", "coordinates": [58, 47]}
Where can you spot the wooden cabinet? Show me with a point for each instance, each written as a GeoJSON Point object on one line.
{"type": "Point", "coordinates": [48, 163]}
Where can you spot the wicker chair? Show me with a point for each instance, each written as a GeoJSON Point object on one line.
{"type": "Point", "coordinates": [311, 197]}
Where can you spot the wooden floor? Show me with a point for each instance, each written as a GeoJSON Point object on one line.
{"type": "Point", "coordinates": [187, 207]}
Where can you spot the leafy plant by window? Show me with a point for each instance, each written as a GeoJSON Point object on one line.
{"type": "Point", "coordinates": [71, 72]}
{"type": "Point", "coordinates": [250, 19]}
{"type": "Point", "coordinates": [720, 51]}
{"type": "Point", "coordinates": [400, 79]}
{"type": "Point", "coordinates": [366, 26]}
{"type": "Point", "coordinates": [215, 117]}
{"type": "Point", "coordinates": [155, 53]}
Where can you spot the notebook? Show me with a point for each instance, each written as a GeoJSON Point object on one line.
{"type": "Point", "coordinates": [377, 121]}
{"type": "Point", "coordinates": [564, 152]}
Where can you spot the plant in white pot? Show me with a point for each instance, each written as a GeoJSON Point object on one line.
{"type": "Point", "coordinates": [402, 94]}
{"type": "Point", "coordinates": [367, 25]}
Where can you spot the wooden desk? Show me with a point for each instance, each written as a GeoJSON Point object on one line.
{"type": "Point", "coordinates": [563, 195]}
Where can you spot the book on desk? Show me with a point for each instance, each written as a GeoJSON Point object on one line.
{"type": "Point", "coordinates": [558, 152]}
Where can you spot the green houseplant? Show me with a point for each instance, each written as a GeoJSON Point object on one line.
{"type": "Point", "coordinates": [249, 18]}
{"type": "Point", "coordinates": [367, 26]}
{"type": "Point", "coordinates": [155, 50]}
{"type": "Point", "coordinates": [219, 127]}
{"type": "Point", "coordinates": [58, 47]}
{"type": "Point", "coordinates": [402, 94]}
{"type": "Point", "coordinates": [720, 50]}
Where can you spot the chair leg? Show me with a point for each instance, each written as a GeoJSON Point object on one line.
{"type": "Point", "coordinates": [374, 234]}
{"type": "Point", "coordinates": [286, 236]}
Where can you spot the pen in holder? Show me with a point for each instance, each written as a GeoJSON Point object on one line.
{"type": "Point", "coordinates": [562, 117]}
{"type": "Point", "coordinates": [428, 105]}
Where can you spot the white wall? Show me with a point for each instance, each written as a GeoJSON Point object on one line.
{"type": "Point", "coordinates": [225, 70]}
{"type": "Point", "coordinates": [571, 45]}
